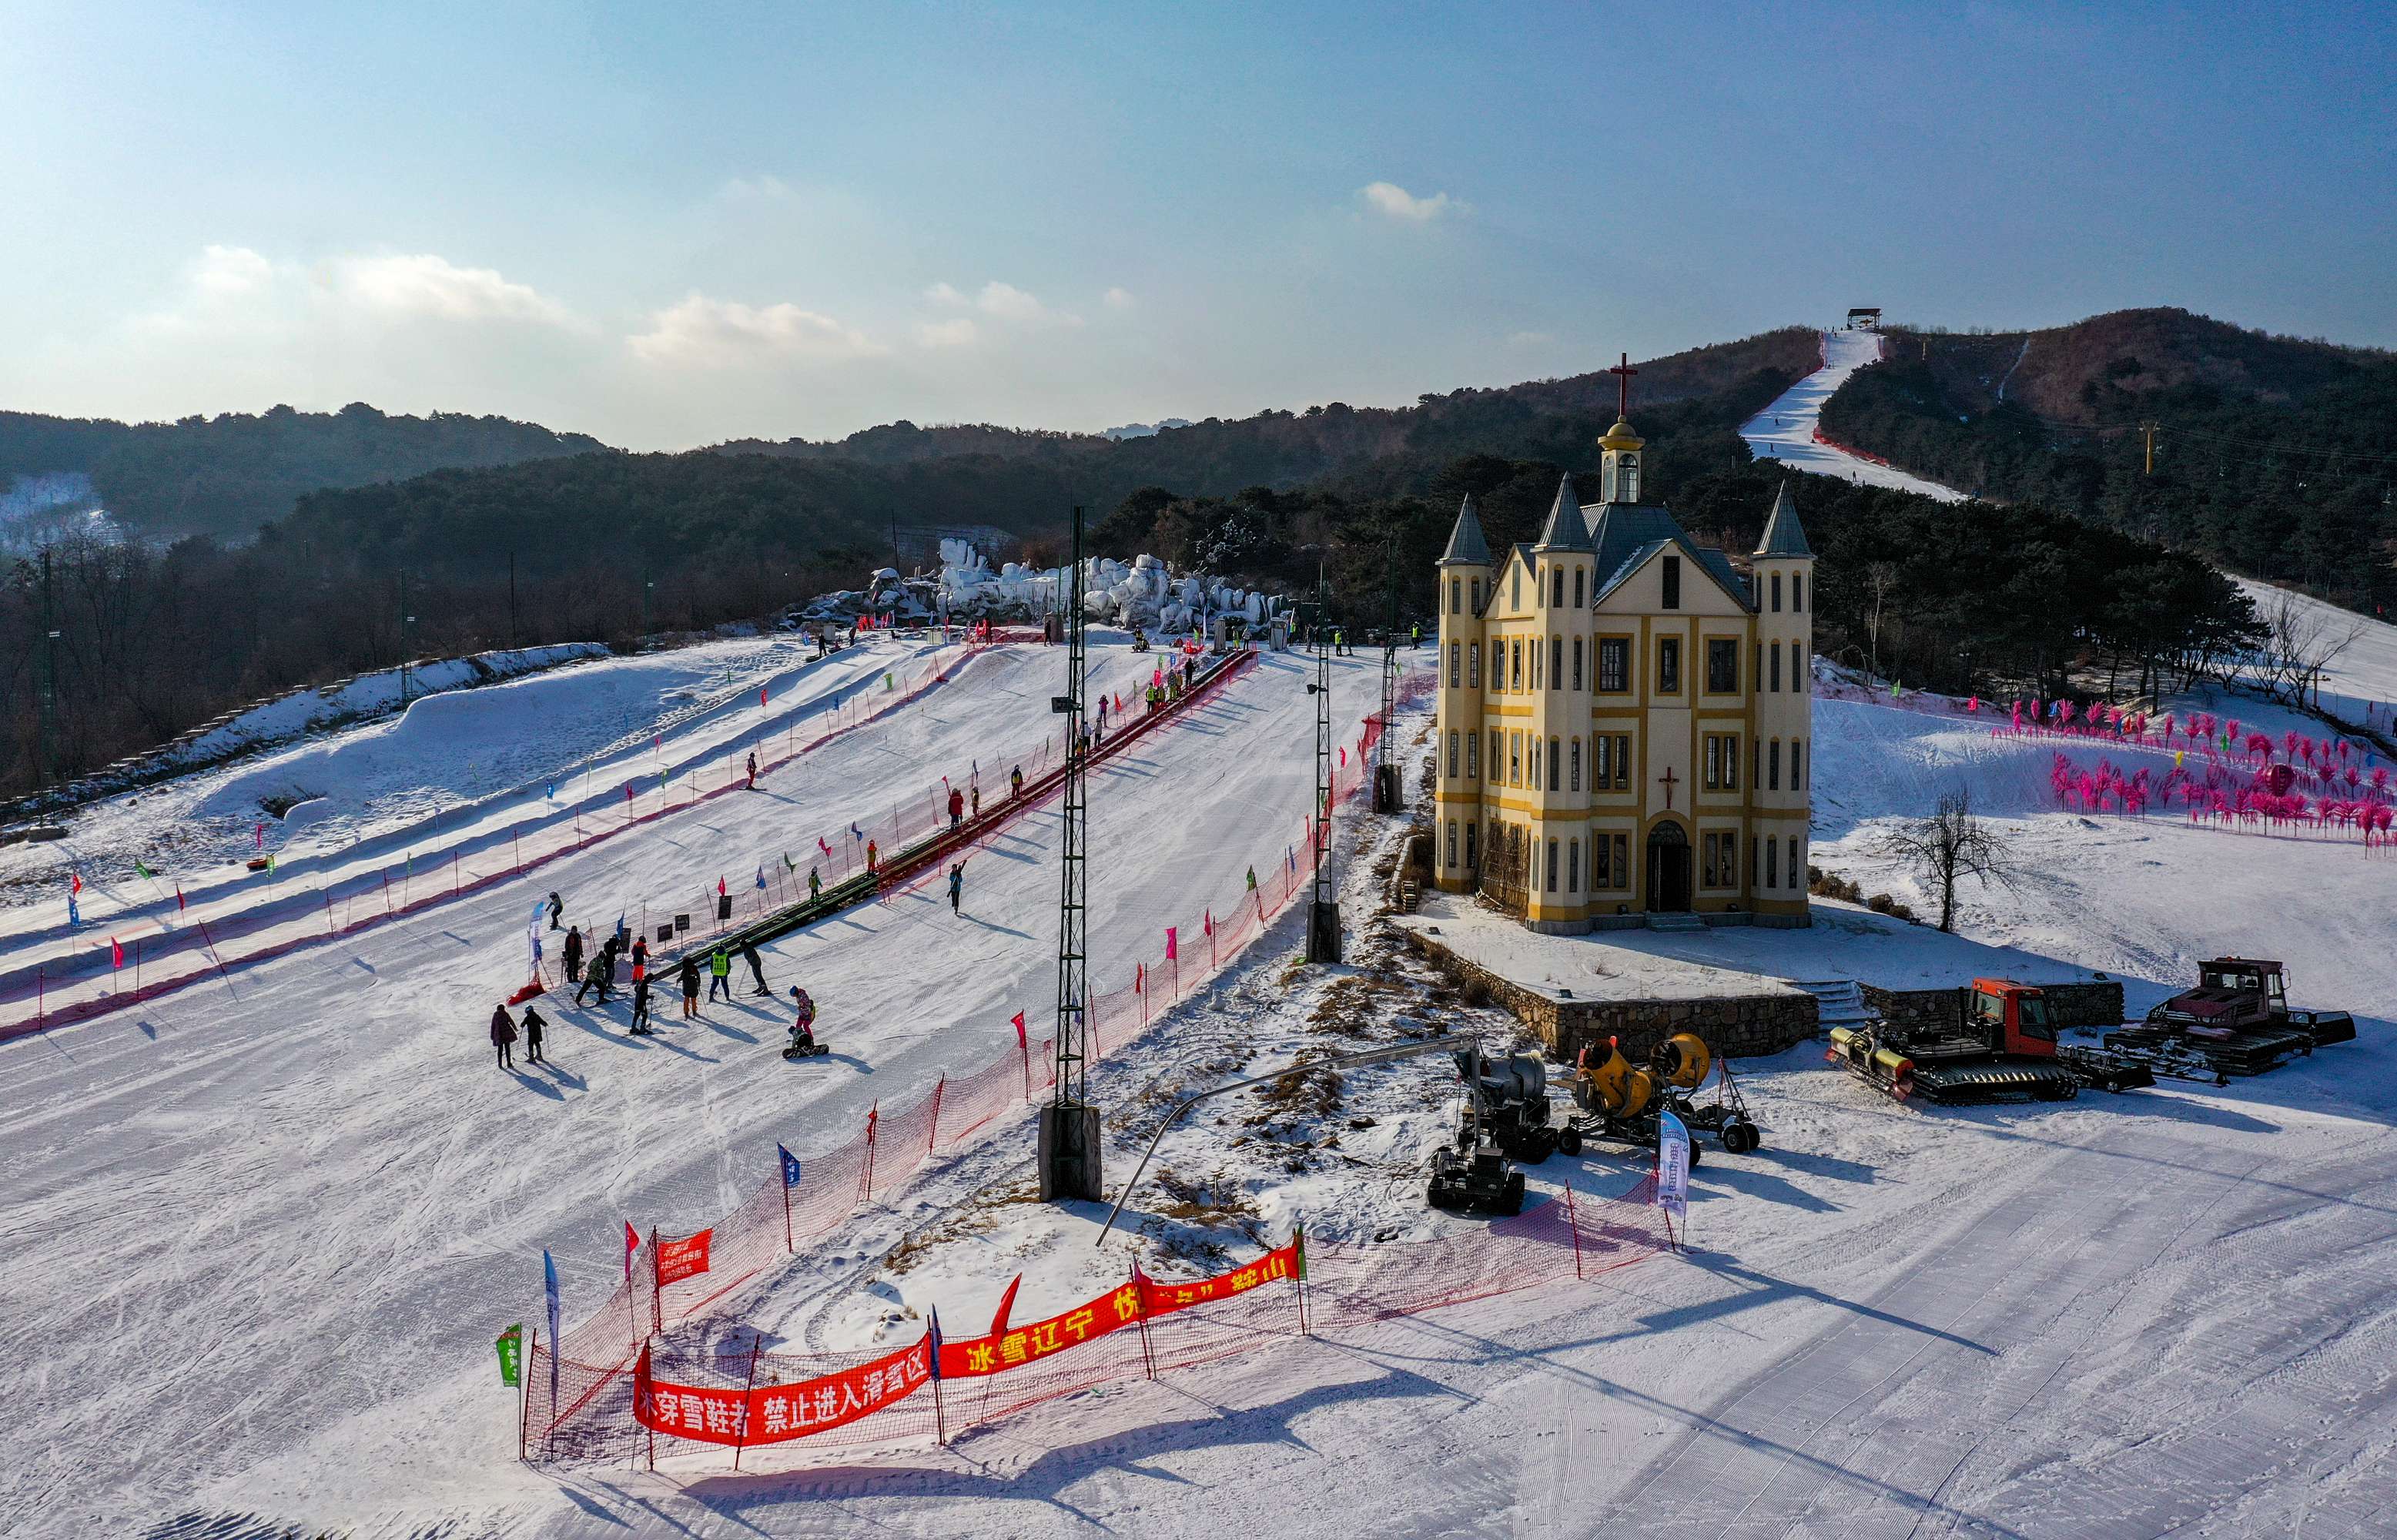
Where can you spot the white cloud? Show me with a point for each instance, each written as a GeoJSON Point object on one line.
{"type": "Point", "coordinates": [234, 288]}
{"type": "Point", "coordinates": [761, 189]}
{"type": "Point", "coordinates": [432, 285]}
{"type": "Point", "coordinates": [1004, 303]}
{"type": "Point", "coordinates": [707, 332]}
{"type": "Point", "coordinates": [1388, 197]}
{"type": "Point", "coordinates": [957, 332]}
{"type": "Point", "coordinates": [230, 273]}
{"type": "Point", "coordinates": [1118, 299]}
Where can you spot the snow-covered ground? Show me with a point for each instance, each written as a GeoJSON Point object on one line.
{"type": "Point", "coordinates": [1785, 431]}
{"type": "Point", "coordinates": [261, 1232]}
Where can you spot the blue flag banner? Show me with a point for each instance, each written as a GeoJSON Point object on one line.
{"type": "Point", "coordinates": [762, 877]}
{"type": "Point", "coordinates": [856, 833]}
{"type": "Point", "coordinates": [790, 1167]}
{"type": "Point", "coordinates": [935, 1329]}
{"type": "Point", "coordinates": [549, 1299]}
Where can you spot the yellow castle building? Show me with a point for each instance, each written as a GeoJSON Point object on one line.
{"type": "Point", "coordinates": [1625, 720]}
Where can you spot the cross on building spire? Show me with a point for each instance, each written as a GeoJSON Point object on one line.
{"type": "Point", "coordinates": [1622, 373]}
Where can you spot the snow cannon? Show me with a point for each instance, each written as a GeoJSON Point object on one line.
{"type": "Point", "coordinates": [1615, 1087]}
{"type": "Point", "coordinates": [1507, 1102]}
{"type": "Point", "coordinates": [1684, 1060]}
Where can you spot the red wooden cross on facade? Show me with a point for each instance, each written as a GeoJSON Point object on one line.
{"type": "Point", "coordinates": [1669, 778]}
{"type": "Point", "coordinates": [1622, 373]}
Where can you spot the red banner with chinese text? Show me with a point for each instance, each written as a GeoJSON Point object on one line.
{"type": "Point", "coordinates": [1020, 1344]}
{"type": "Point", "coordinates": [685, 1258]}
{"type": "Point", "coordinates": [775, 1413]}
{"type": "Point", "coordinates": [1162, 1299]}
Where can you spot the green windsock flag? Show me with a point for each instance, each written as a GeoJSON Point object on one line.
{"type": "Point", "coordinates": [143, 870]}
{"type": "Point", "coordinates": [511, 1345]}
{"type": "Point", "coordinates": [270, 864]}
{"type": "Point", "coordinates": [1298, 1240]}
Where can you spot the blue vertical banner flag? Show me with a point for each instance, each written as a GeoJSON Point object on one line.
{"type": "Point", "coordinates": [1673, 1167]}
{"type": "Point", "coordinates": [762, 877]}
{"type": "Point", "coordinates": [935, 1329]}
{"type": "Point", "coordinates": [549, 1300]}
{"type": "Point", "coordinates": [790, 1167]}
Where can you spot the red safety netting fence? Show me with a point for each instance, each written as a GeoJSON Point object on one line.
{"type": "Point", "coordinates": [895, 1143]}
{"type": "Point", "coordinates": [675, 1398]}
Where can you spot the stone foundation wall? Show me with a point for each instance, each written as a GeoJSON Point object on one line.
{"type": "Point", "coordinates": [2073, 1004]}
{"type": "Point", "coordinates": [1734, 1025]}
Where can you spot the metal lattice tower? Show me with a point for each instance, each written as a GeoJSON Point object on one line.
{"type": "Point", "coordinates": [1073, 887]}
{"type": "Point", "coordinates": [1323, 912]}
{"type": "Point", "coordinates": [1069, 1136]}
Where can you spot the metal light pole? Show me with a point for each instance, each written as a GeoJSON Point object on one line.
{"type": "Point", "coordinates": [404, 618]}
{"type": "Point", "coordinates": [1069, 1125]}
{"type": "Point", "coordinates": [1323, 911]}
{"type": "Point", "coordinates": [46, 759]}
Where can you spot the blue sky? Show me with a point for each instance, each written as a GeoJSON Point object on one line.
{"type": "Point", "coordinates": [671, 224]}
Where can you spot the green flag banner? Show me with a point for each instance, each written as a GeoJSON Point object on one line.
{"type": "Point", "coordinates": [511, 1345]}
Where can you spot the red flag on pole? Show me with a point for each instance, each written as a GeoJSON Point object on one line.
{"type": "Point", "coordinates": [761, 695]}
{"type": "Point", "coordinates": [1211, 922]}
{"type": "Point", "coordinates": [1172, 944]}
{"type": "Point", "coordinates": [1019, 1039]}
{"type": "Point", "coordinates": [115, 953]}
{"type": "Point", "coordinates": [719, 886]}
{"type": "Point", "coordinates": [74, 880]}
{"type": "Point", "coordinates": [178, 898]}
{"type": "Point", "coordinates": [632, 1244]}
{"type": "Point", "coordinates": [1139, 978]}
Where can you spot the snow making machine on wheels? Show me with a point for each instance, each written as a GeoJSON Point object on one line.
{"type": "Point", "coordinates": [1505, 1114]}
{"type": "Point", "coordinates": [1620, 1101]}
{"type": "Point", "coordinates": [2002, 1049]}
{"type": "Point", "coordinates": [2237, 1020]}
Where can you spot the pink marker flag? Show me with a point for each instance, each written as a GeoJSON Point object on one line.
{"type": "Point", "coordinates": [115, 953]}
{"type": "Point", "coordinates": [1139, 978]}
{"type": "Point", "coordinates": [1020, 1041]}
{"type": "Point", "coordinates": [632, 1244]}
{"type": "Point", "coordinates": [761, 695]}
{"type": "Point", "coordinates": [1211, 922]}
{"type": "Point", "coordinates": [1172, 944]}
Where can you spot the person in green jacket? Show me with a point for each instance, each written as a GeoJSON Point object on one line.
{"type": "Point", "coordinates": [719, 973]}
{"type": "Point", "coordinates": [815, 885]}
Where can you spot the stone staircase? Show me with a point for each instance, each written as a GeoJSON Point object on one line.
{"type": "Point", "coordinates": [1838, 1002]}
{"type": "Point", "coordinates": [1675, 922]}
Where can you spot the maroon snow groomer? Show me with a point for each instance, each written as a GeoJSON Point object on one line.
{"type": "Point", "coordinates": [2236, 1019]}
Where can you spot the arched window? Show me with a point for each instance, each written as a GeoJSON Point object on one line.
{"type": "Point", "coordinates": [1576, 683]}
{"type": "Point", "coordinates": [1470, 830]}
{"type": "Point", "coordinates": [1773, 766]}
{"type": "Point", "coordinates": [1560, 600]}
{"type": "Point", "coordinates": [1556, 662]}
{"type": "Point", "coordinates": [1775, 654]}
{"type": "Point", "coordinates": [1455, 664]}
{"type": "Point", "coordinates": [1577, 764]}
{"type": "Point", "coordinates": [1577, 577]}
{"type": "Point", "coordinates": [1451, 843]}
{"type": "Point", "coordinates": [1477, 595]}
{"type": "Point", "coordinates": [1772, 863]}
{"type": "Point", "coordinates": [1452, 747]}
{"type": "Point", "coordinates": [1473, 757]}
{"type": "Point", "coordinates": [1455, 607]}
{"type": "Point", "coordinates": [1515, 665]}
{"type": "Point", "coordinates": [1554, 769]}
{"type": "Point", "coordinates": [1535, 762]}
{"type": "Point", "coordinates": [1473, 665]}
{"type": "Point", "coordinates": [1572, 865]}
{"type": "Point", "coordinates": [1796, 764]}
{"type": "Point", "coordinates": [1552, 866]}
{"type": "Point", "coordinates": [1776, 592]}
{"type": "Point", "coordinates": [1797, 872]}
{"type": "Point", "coordinates": [1797, 591]}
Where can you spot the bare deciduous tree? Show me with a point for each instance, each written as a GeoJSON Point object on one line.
{"type": "Point", "coordinates": [1881, 581]}
{"type": "Point", "coordinates": [1949, 845]}
{"type": "Point", "coordinates": [2300, 642]}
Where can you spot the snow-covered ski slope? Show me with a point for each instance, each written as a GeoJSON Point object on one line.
{"type": "Point", "coordinates": [283, 1213]}
{"type": "Point", "coordinates": [1785, 431]}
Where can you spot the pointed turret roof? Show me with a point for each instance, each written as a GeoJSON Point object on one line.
{"type": "Point", "coordinates": [1566, 530]}
{"type": "Point", "coordinates": [1784, 536]}
{"type": "Point", "coordinates": [1466, 544]}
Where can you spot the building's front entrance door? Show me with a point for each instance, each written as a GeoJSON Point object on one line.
{"type": "Point", "coordinates": [1668, 870]}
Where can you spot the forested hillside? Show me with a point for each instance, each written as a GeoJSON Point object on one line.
{"type": "Point", "coordinates": [225, 475]}
{"type": "Point", "coordinates": [2274, 456]}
